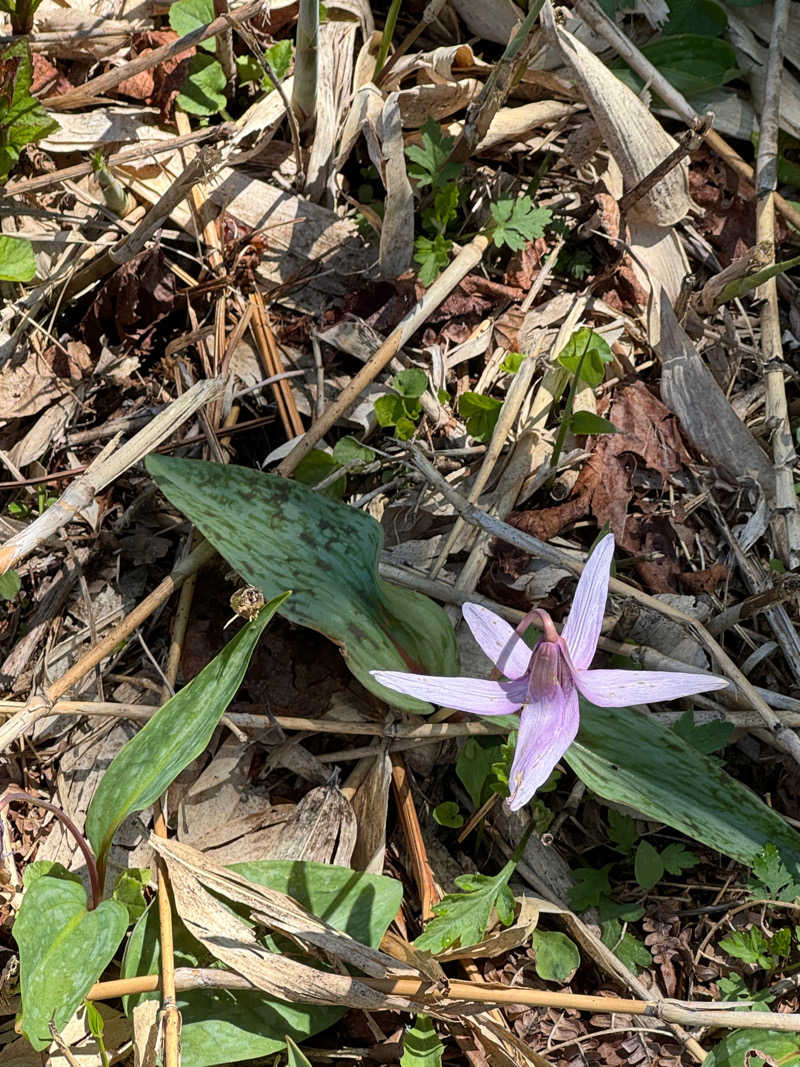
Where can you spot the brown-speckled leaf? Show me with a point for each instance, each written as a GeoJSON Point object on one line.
{"type": "Point", "coordinates": [281, 535]}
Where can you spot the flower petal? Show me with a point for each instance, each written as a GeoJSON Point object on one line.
{"type": "Point", "coordinates": [476, 695]}
{"type": "Point", "coordinates": [616, 689]}
{"type": "Point", "coordinates": [547, 728]}
{"type": "Point", "coordinates": [582, 628]}
{"type": "Point", "coordinates": [501, 643]}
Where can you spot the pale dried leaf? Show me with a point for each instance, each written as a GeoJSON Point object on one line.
{"type": "Point", "coordinates": [492, 20]}
{"type": "Point", "coordinates": [85, 131]}
{"type": "Point", "coordinates": [370, 806]}
{"type": "Point", "coordinates": [436, 101]}
{"type": "Point", "coordinates": [322, 828]}
{"type": "Point", "coordinates": [334, 77]}
{"type": "Point", "coordinates": [147, 1033]}
{"type": "Point", "coordinates": [397, 231]}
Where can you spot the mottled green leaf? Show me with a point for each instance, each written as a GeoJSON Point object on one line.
{"type": "Point", "coordinates": [63, 950]}
{"type": "Point", "coordinates": [222, 1026]}
{"type": "Point", "coordinates": [176, 734]}
{"type": "Point", "coordinates": [280, 534]}
{"type": "Point", "coordinates": [628, 758]}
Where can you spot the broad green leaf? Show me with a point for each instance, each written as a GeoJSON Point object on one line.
{"type": "Point", "coordinates": [586, 422]}
{"type": "Point", "coordinates": [733, 1050]}
{"type": "Point", "coordinates": [627, 758]}
{"type": "Point", "coordinates": [421, 1044]}
{"type": "Point", "coordinates": [176, 734]}
{"type": "Point", "coordinates": [389, 410]}
{"type": "Point", "coordinates": [226, 1026]}
{"type": "Point", "coordinates": [557, 956]}
{"type": "Point", "coordinates": [348, 449]}
{"type": "Point", "coordinates": [279, 534]}
{"type": "Point", "coordinates": [648, 866]}
{"type": "Point", "coordinates": [706, 737]}
{"type": "Point", "coordinates": [10, 585]}
{"type": "Point", "coordinates": [588, 351]}
{"type": "Point", "coordinates": [203, 92]}
{"type": "Point", "coordinates": [481, 413]}
{"type": "Point", "coordinates": [318, 465]}
{"type": "Point", "coordinates": [17, 261]}
{"type": "Point", "coordinates": [692, 64]}
{"type": "Point", "coordinates": [462, 918]}
{"type": "Point", "coordinates": [188, 15]}
{"type": "Point", "coordinates": [63, 950]}
{"type": "Point", "coordinates": [23, 120]}
{"type": "Point", "coordinates": [410, 383]}
{"type": "Point", "coordinates": [701, 17]}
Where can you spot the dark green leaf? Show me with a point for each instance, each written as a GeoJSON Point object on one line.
{"type": "Point", "coordinates": [462, 918]}
{"type": "Point", "coordinates": [586, 422]}
{"type": "Point", "coordinates": [771, 878]}
{"type": "Point", "coordinates": [701, 17]}
{"type": "Point", "coordinates": [176, 734]}
{"type": "Point", "coordinates": [421, 1044]}
{"type": "Point", "coordinates": [63, 950]}
{"type": "Point", "coordinates": [692, 64]}
{"type": "Point", "coordinates": [17, 261]}
{"type": "Point", "coordinates": [516, 222]}
{"type": "Point", "coordinates": [706, 737]}
{"type": "Point", "coordinates": [433, 256]}
{"type": "Point", "coordinates": [203, 92]}
{"type": "Point", "coordinates": [129, 891]}
{"type": "Point", "coordinates": [475, 767]}
{"type": "Point", "coordinates": [23, 120]}
{"type": "Point", "coordinates": [481, 413]}
{"type": "Point", "coordinates": [225, 1026]}
{"type": "Point", "coordinates": [347, 449]}
{"type": "Point", "coordinates": [595, 352]}
{"type": "Point", "coordinates": [277, 533]}
{"type": "Point", "coordinates": [447, 814]}
{"type": "Point", "coordinates": [750, 946]}
{"type": "Point", "coordinates": [677, 859]}
{"type": "Point", "coordinates": [626, 947]}
{"type": "Point", "coordinates": [10, 585]}
{"type": "Point", "coordinates": [315, 467]}
{"type": "Point", "coordinates": [557, 957]}
{"type": "Point", "coordinates": [622, 830]}
{"type": "Point", "coordinates": [590, 886]}
{"type": "Point", "coordinates": [629, 759]}
{"type": "Point", "coordinates": [647, 865]}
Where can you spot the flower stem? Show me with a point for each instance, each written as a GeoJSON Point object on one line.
{"type": "Point", "coordinates": [566, 417]}
{"type": "Point", "coordinates": [91, 864]}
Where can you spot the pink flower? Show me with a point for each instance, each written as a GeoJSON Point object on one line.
{"type": "Point", "coordinates": [544, 683]}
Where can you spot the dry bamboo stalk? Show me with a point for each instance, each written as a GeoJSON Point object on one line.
{"type": "Point", "coordinates": [466, 259]}
{"type": "Point", "coordinates": [198, 194]}
{"type": "Point", "coordinates": [281, 388]}
{"type": "Point", "coordinates": [506, 419]}
{"type": "Point", "coordinates": [169, 1001]}
{"type": "Point", "coordinates": [786, 524]}
{"type": "Point", "coordinates": [429, 891]}
{"type": "Point", "coordinates": [442, 995]}
{"type": "Point", "coordinates": [108, 466]}
{"type": "Point", "coordinates": [84, 94]}
{"type": "Point", "coordinates": [541, 549]}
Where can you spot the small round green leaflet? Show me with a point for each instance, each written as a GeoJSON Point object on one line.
{"type": "Point", "coordinates": [557, 957]}
{"type": "Point", "coordinates": [63, 950]}
{"type": "Point", "coordinates": [279, 534]}
{"type": "Point", "coordinates": [178, 732]}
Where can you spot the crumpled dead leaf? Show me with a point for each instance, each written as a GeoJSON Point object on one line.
{"type": "Point", "coordinates": [134, 299]}
{"type": "Point", "coordinates": [29, 387]}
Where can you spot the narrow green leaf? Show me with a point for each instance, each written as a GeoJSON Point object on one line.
{"type": "Point", "coordinates": [557, 956]}
{"type": "Point", "coordinates": [294, 1056]}
{"type": "Point", "coordinates": [176, 734]}
{"type": "Point", "coordinates": [627, 758]}
{"type": "Point", "coordinates": [17, 261]}
{"type": "Point", "coordinates": [586, 422]}
{"type": "Point", "coordinates": [647, 865]}
{"type": "Point", "coordinates": [63, 950]}
{"type": "Point", "coordinates": [421, 1044]}
{"type": "Point", "coordinates": [277, 533]}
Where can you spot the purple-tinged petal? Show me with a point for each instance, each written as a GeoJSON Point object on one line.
{"type": "Point", "coordinates": [582, 628]}
{"type": "Point", "coordinates": [616, 689]}
{"type": "Point", "coordinates": [476, 695]}
{"type": "Point", "coordinates": [501, 643]}
{"type": "Point", "coordinates": [547, 727]}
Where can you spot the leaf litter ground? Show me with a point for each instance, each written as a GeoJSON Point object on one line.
{"type": "Point", "coordinates": [289, 779]}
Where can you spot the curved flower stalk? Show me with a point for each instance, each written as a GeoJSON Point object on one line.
{"type": "Point", "coordinates": [544, 682]}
